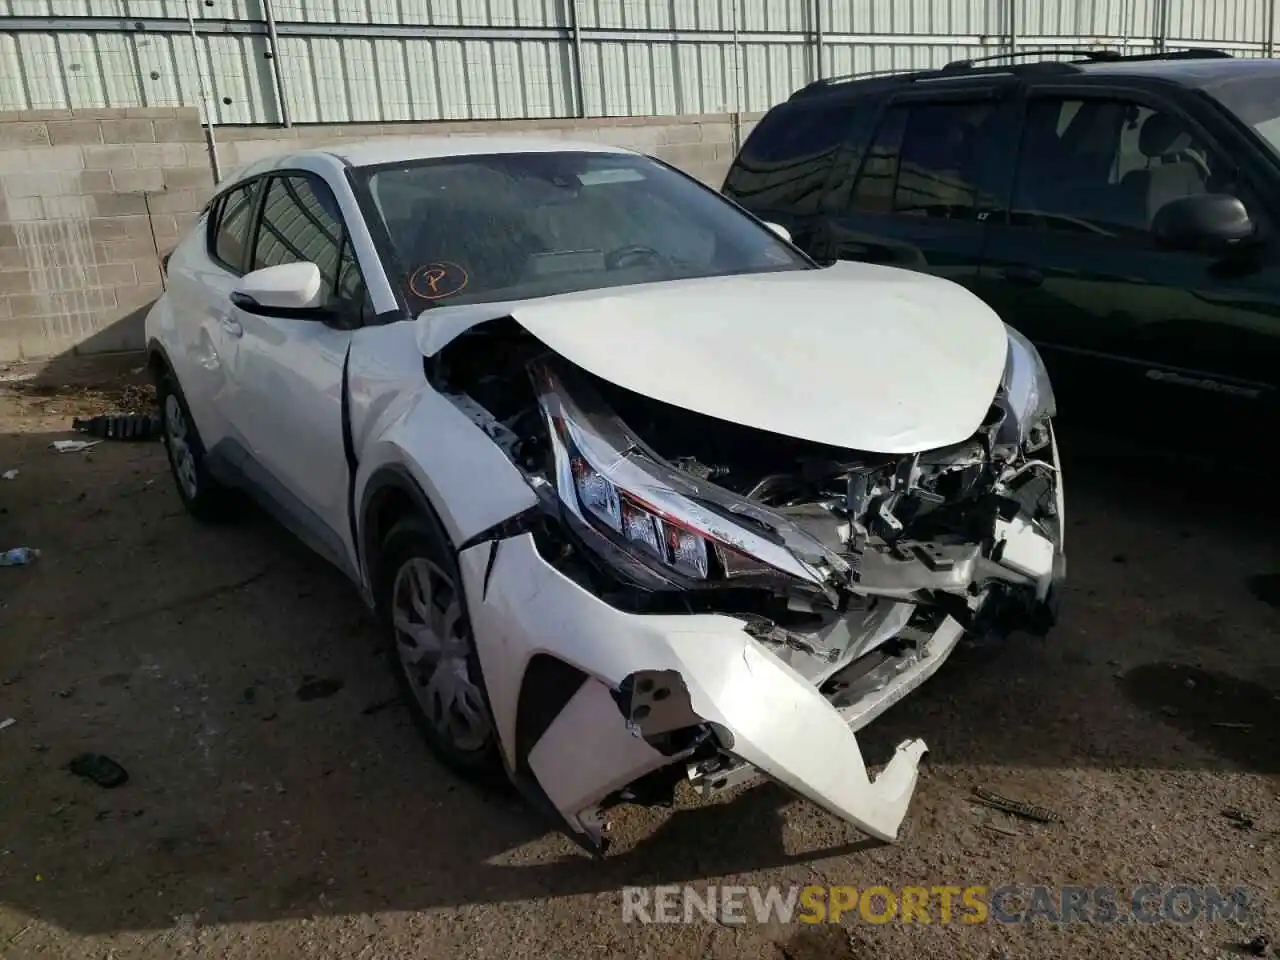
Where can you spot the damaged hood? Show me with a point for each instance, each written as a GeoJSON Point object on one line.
{"type": "Point", "coordinates": [854, 355]}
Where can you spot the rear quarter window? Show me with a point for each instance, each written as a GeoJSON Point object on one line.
{"type": "Point", "coordinates": [784, 163]}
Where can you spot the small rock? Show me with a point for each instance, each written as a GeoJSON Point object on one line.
{"type": "Point", "coordinates": [1169, 711]}
{"type": "Point", "coordinates": [1189, 683]}
{"type": "Point", "coordinates": [99, 769]}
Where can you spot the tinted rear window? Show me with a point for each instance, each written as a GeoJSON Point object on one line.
{"type": "Point", "coordinates": [784, 163]}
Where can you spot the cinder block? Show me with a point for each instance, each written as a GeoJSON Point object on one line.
{"type": "Point", "coordinates": [94, 181]}
{"type": "Point", "coordinates": [117, 275]}
{"type": "Point", "coordinates": [178, 201]}
{"type": "Point", "coordinates": [142, 180]}
{"type": "Point", "coordinates": [74, 131]}
{"type": "Point", "coordinates": [137, 295]}
{"type": "Point", "coordinates": [118, 204]}
{"type": "Point", "coordinates": [24, 134]}
{"type": "Point", "coordinates": [110, 158]}
{"type": "Point", "coordinates": [148, 271]}
{"type": "Point", "coordinates": [682, 133]}
{"type": "Point", "coordinates": [185, 130]}
{"type": "Point", "coordinates": [153, 113]}
{"type": "Point", "coordinates": [13, 258]}
{"type": "Point", "coordinates": [14, 282]}
{"type": "Point", "coordinates": [188, 178]}
{"type": "Point", "coordinates": [161, 155]}
{"type": "Point", "coordinates": [15, 161]}
{"type": "Point", "coordinates": [131, 250]}
{"type": "Point", "coordinates": [129, 131]}
{"type": "Point", "coordinates": [119, 228]}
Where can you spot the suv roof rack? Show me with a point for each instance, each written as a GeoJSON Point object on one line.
{"type": "Point", "coordinates": [1082, 55]}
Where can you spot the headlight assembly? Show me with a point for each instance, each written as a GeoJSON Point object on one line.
{"type": "Point", "coordinates": [688, 535]}
{"type": "Point", "coordinates": [1028, 395]}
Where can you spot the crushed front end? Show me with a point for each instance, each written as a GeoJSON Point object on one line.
{"type": "Point", "coordinates": [728, 602]}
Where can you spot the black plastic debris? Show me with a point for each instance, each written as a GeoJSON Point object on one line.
{"type": "Point", "coordinates": [313, 689]}
{"type": "Point", "coordinates": [1239, 819]}
{"type": "Point", "coordinates": [1258, 945]}
{"type": "Point", "coordinates": [1027, 811]}
{"type": "Point", "coordinates": [119, 426]}
{"type": "Point", "coordinates": [99, 769]}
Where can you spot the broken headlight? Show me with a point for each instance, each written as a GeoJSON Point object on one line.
{"type": "Point", "coordinates": [650, 516]}
{"type": "Point", "coordinates": [1028, 395]}
{"type": "Point", "coordinates": [661, 538]}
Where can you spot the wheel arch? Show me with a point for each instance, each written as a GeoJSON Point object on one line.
{"type": "Point", "coordinates": [391, 494]}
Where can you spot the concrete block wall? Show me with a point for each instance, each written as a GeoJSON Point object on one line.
{"type": "Point", "coordinates": [90, 200]}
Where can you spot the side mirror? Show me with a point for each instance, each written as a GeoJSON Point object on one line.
{"type": "Point", "coordinates": [285, 290]}
{"type": "Point", "coordinates": [1212, 223]}
{"type": "Point", "coordinates": [779, 229]}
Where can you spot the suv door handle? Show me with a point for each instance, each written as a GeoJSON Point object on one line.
{"type": "Point", "coordinates": [232, 327]}
{"type": "Point", "coordinates": [1027, 276]}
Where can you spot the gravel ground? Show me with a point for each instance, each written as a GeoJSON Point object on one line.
{"type": "Point", "coordinates": [258, 823]}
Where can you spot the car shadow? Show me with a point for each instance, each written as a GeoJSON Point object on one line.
{"type": "Point", "coordinates": [273, 774]}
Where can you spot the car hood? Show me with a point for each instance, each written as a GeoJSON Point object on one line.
{"type": "Point", "coordinates": [853, 355]}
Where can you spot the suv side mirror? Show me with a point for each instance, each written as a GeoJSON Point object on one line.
{"type": "Point", "coordinates": [285, 290]}
{"type": "Point", "coordinates": [1212, 223]}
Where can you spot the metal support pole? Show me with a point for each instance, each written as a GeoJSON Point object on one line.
{"type": "Point", "coordinates": [819, 42]}
{"type": "Point", "coordinates": [273, 52]}
{"type": "Point", "coordinates": [736, 123]}
{"type": "Point", "coordinates": [210, 142]}
{"type": "Point", "coordinates": [1271, 28]}
{"type": "Point", "coordinates": [579, 92]}
{"type": "Point", "coordinates": [1013, 26]}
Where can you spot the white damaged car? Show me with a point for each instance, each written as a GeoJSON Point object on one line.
{"type": "Point", "coordinates": [640, 492]}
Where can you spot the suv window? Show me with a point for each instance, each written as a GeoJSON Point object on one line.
{"type": "Point", "coordinates": [931, 160]}
{"type": "Point", "coordinates": [301, 221]}
{"type": "Point", "coordinates": [784, 163]}
{"type": "Point", "coordinates": [1105, 166]}
{"type": "Point", "coordinates": [229, 232]}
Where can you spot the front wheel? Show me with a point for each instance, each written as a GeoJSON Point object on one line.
{"type": "Point", "coordinates": [432, 649]}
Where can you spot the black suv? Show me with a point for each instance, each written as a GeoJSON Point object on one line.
{"type": "Point", "coordinates": [1120, 211]}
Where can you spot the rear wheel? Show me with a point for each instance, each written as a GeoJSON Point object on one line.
{"type": "Point", "coordinates": [203, 496]}
{"type": "Point", "coordinates": [432, 650]}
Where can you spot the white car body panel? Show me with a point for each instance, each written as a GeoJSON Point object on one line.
{"type": "Point", "coordinates": [790, 353]}
{"type": "Point", "coordinates": [862, 357]}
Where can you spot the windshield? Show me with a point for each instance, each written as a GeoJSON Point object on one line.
{"type": "Point", "coordinates": [1256, 101]}
{"type": "Point", "coordinates": [510, 226]}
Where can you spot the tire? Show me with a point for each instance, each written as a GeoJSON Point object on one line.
{"type": "Point", "coordinates": [446, 693]}
{"type": "Point", "coordinates": [204, 498]}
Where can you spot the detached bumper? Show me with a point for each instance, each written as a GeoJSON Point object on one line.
{"type": "Point", "coordinates": [581, 741]}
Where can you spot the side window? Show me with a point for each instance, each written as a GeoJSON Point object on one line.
{"type": "Point", "coordinates": [873, 191]}
{"type": "Point", "coordinates": [784, 163]}
{"type": "Point", "coordinates": [301, 222]}
{"type": "Point", "coordinates": [931, 160]}
{"type": "Point", "coordinates": [1105, 166]}
{"type": "Point", "coordinates": [229, 227]}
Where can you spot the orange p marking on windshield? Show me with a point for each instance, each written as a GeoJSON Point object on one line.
{"type": "Point", "coordinates": [438, 279]}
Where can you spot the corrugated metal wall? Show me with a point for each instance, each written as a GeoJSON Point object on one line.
{"type": "Point", "coordinates": [340, 61]}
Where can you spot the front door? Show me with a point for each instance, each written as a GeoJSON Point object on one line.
{"type": "Point", "coordinates": [288, 400]}
{"type": "Point", "coordinates": [1165, 348]}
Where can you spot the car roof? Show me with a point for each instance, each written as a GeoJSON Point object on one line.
{"type": "Point", "coordinates": [1204, 69]}
{"type": "Point", "coordinates": [371, 153]}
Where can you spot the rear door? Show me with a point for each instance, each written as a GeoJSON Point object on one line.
{"type": "Point", "coordinates": [937, 167]}
{"type": "Point", "coordinates": [202, 274]}
{"type": "Point", "coordinates": [1168, 346]}
{"type": "Point", "coordinates": [786, 163]}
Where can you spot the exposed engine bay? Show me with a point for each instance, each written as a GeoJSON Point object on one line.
{"type": "Point", "coordinates": [843, 563]}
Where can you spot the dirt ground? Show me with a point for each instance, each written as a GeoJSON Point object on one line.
{"type": "Point", "coordinates": [260, 823]}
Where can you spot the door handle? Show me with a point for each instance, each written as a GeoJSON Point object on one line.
{"type": "Point", "coordinates": [232, 327]}
{"type": "Point", "coordinates": [1027, 276]}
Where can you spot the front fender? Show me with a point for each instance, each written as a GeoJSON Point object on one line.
{"type": "Point", "coordinates": [466, 479]}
